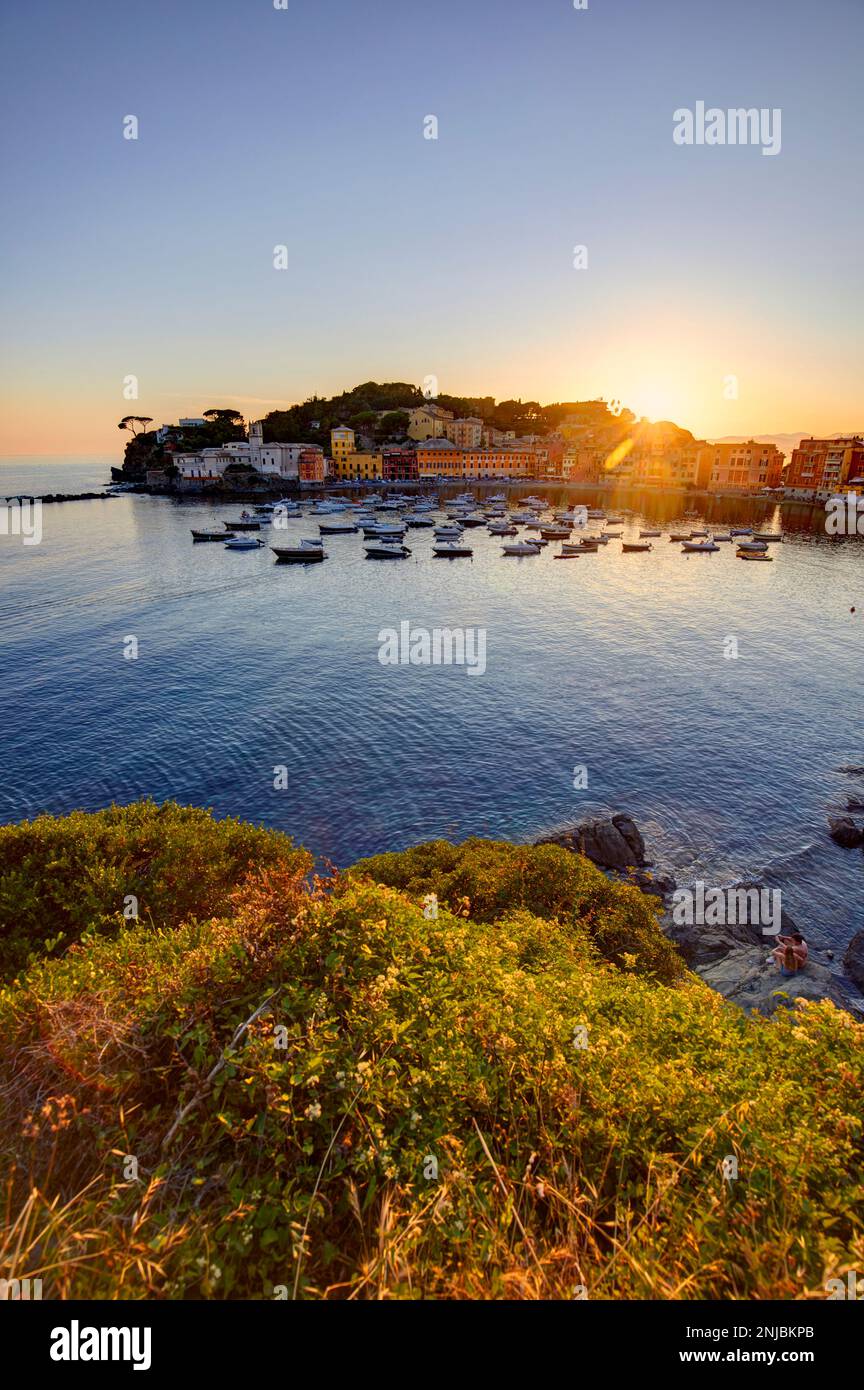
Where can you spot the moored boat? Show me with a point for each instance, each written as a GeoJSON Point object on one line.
{"type": "Point", "coordinates": [242, 525]}
{"type": "Point", "coordinates": [299, 554]}
{"type": "Point", "coordinates": [386, 550]}
{"type": "Point", "coordinates": [698, 547]}
{"type": "Point", "coordinates": [212, 535]}
{"type": "Point", "coordinates": [451, 549]}
{"type": "Point", "coordinates": [753, 555]}
{"type": "Point", "coordinates": [243, 542]}
{"type": "Point", "coordinates": [521, 548]}
{"type": "Point", "coordinates": [632, 546]}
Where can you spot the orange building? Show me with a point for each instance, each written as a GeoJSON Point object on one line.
{"type": "Point", "coordinates": [745, 465]}
{"type": "Point", "coordinates": [826, 465]}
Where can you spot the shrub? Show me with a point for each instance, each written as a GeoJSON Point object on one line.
{"type": "Point", "coordinates": [61, 876]}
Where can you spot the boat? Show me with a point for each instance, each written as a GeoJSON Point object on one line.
{"type": "Point", "coordinates": [753, 555]}
{"type": "Point", "coordinates": [742, 531]}
{"type": "Point", "coordinates": [384, 530]}
{"type": "Point", "coordinates": [316, 544]}
{"type": "Point", "coordinates": [521, 548]}
{"type": "Point", "coordinates": [212, 535]}
{"type": "Point", "coordinates": [556, 533]}
{"type": "Point", "coordinates": [523, 518]}
{"type": "Point", "coordinates": [337, 527]}
{"type": "Point", "coordinates": [755, 547]}
{"type": "Point", "coordinates": [242, 525]}
{"type": "Point", "coordinates": [497, 497]}
{"type": "Point", "coordinates": [386, 550]}
{"type": "Point", "coordinates": [242, 542]}
{"type": "Point", "coordinates": [694, 534]}
{"type": "Point", "coordinates": [501, 528]}
{"type": "Point", "coordinates": [681, 536]}
{"type": "Point", "coordinates": [643, 534]}
{"type": "Point", "coordinates": [586, 547]}
{"type": "Point", "coordinates": [718, 537]}
{"type": "Point", "coordinates": [614, 521]}
{"type": "Point", "coordinates": [698, 547]}
{"type": "Point", "coordinates": [473, 519]}
{"type": "Point", "coordinates": [767, 536]}
{"type": "Point", "coordinates": [596, 514]}
{"type": "Point", "coordinates": [612, 535]}
{"type": "Point", "coordinates": [636, 545]}
{"type": "Point", "coordinates": [448, 533]}
{"type": "Point", "coordinates": [451, 549]}
{"type": "Point", "coordinates": [417, 520]}
{"type": "Point", "coordinates": [299, 554]}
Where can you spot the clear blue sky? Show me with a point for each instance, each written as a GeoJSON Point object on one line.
{"type": "Point", "coordinates": [410, 257]}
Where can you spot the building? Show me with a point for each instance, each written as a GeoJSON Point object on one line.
{"type": "Point", "coordinates": [311, 464]}
{"type": "Point", "coordinates": [283, 460]}
{"type": "Point", "coordinates": [748, 466]}
{"type": "Point", "coordinates": [441, 458]}
{"type": "Point", "coordinates": [581, 464]}
{"type": "Point", "coordinates": [342, 444]}
{"type": "Point", "coordinates": [465, 434]}
{"type": "Point", "coordinates": [826, 465]}
{"type": "Point", "coordinates": [207, 466]}
{"type": "Point", "coordinates": [427, 421]}
{"type": "Point", "coordinates": [399, 465]}
{"type": "Point", "coordinates": [271, 460]}
{"type": "Point", "coordinates": [491, 438]}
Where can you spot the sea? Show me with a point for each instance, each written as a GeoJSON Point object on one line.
{"type": "Point", "coordinates": [713, 700]}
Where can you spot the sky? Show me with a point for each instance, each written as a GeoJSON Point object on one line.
{"type": "Point", "coordinates": [723, 287]}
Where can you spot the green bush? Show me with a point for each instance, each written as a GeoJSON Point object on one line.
{"type": "Point", "coordinates": [486, 878]}
{"type": "Point", "coordinates": [61, 876]}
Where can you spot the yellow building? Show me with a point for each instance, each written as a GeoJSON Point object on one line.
{"type": "Point", "coordinates": [427, 421]}
{"type": "Point", "coordinates": [341, 447]}
{"type": "Point", "coordinates": [364, 466]}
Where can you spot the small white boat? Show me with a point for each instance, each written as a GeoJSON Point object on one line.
{"type": "Point", "coordinates": [523, 518]}
{"type": "Point", "coordinates": [612, 535]}
{"type": "Point", "coordinates": [316, 544]}
{"type": "Point", "coordinates": [243, 543]}
{"type": "Point", "coordinates": [596, 514]}
{"type": "Point", "coordinates": [521, 548]}
{"type": "Point", "coordinates": [451, 549]}
{"type": "Point", "coordinates": [717, 537]}
{"type": "Point", "coordinates": [386, 550]}
{"type": "Point", "coordinates": [633, 546]}
{"type": "Point", "coordinates": [418, 520]}
{"type": "Point", "coordinates": [698, 547]}
{"type": "Point", "coordinates": [694, 534]}
{"type": "Point", "coordinates": [448, 533]}
{"type": "Point", "coordinates": [742, 531]}
{"type": "Point", "coordinates": [644, 534]}
{"type": "Point", "coordinates": [384, 530]}
{"type": "Point", "coordinates": [752, 547]}
{"type": "Point", "coordinates": [338, 527]}
{"type": "Point", "coordinates": [501, 528]}
{"type": "Point", "coordinates": [767, 536]}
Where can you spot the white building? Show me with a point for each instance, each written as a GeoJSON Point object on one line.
{"type": "Point", "coordinates": [274, 460]}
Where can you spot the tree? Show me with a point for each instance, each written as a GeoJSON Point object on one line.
{"type": "Point", "coordinates": [395, 422]}
{"type": "Point", "coordinates": [223, 416]}
{"type": "Point", "coordinates": [130, 421]}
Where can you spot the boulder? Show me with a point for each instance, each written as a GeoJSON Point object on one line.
{"type": "Point", "coordinates": [606, 843]}
{"type": "Point", "coordinates": [845, 832]}
{"type": "Point", "coordinates": [853, 960]}
{"type": "Point", "coordinates": [749, 977]}
{"type": "Point", "coordinates": [854, 804]}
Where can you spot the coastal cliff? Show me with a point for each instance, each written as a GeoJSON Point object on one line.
{"type": "Point", "coordinates": [237, 1080]}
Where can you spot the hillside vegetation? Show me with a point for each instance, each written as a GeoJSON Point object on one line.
{"type": "Point", "coordinates": [272, 1085]}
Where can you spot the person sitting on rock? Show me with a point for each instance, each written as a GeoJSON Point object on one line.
{"type": "Point", "coordinates": [791, 953]}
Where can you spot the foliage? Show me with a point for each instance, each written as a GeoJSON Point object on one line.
{"type": "Point", "coordinates": [578, 1112]}
{"type": "Point", "coordinates": [63, 876]}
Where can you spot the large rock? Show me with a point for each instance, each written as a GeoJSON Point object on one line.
{"type": "Point", "coordinates": [853, 960]}
{"type": "Point", "coordinates": [749, 977]}
{"type": "Point", "coordinates": [610, 844]}
{"type": "Point", "coordinates": [845, 832]}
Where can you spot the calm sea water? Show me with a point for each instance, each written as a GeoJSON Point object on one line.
{"type": "Point", "coordinates": [613, 661]}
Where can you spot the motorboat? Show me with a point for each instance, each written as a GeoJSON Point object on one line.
{"type": "Point", "coordinates": [753, 555]}
{"type": "Point", "coordinates": [752, 547]}
{"type": "Point", "coordinates": [497, 497]}
{"type": "Point", "coordinates": [521, 548]}
{"type": "Point", "coordinates": [338, 527]}
{"type": "Point", "coordinates": [474, 519]}
{"type": "Point", "coordinates": [417, 520]}
{"type": "Point", "coordinates": [448, 533]}
{"type": "Point", "coordinates": [643, 534]}
{"type": "Point", "coordinates": [556, 533]}
{"type": "Point", "coordinates": [612, 535]}
{"type": "Point", "coordinates": [596, 514]}
{"type": "Point", "coordinates": [633, 546]}
{"type": "Point", "coordinates": [243, 542]}
{"type": "Point", "coordinates": [386, 550]}
{"type": "Point", "coordinates": [767, 536]}
{"type": "Point", "coordinates": [212, 535]}
{"type": "Point", "coordinates": [302, 554]}
{"type": "Point", "coordinates": [384, 530]}
{"type": "Point", "coordinates": [742, 531]}
{"type": "Point", "coordinates": [451, 549]}
{"type": "Point", "coordinates": [614, 521]}
{"type": "Point", "coordinates": [698, 547]}
{"type": "Point", "coordinates": [694, 534]}
{"type": "Point", "coordinates": [718, 537]}
{"type": "Point", "coordinates": [523, 518]}
{"type": "Point", "coordinates": [501, 528]}
{"type": "Point", "coordinates": [579, 547]}
{"type": "Point", "coordinates": [681, 536]}
{"type": "Point", "coordinates": [242, 525]}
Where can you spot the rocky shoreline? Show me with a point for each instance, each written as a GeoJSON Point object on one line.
{"type": "Point", "coordinates": [734, 958]}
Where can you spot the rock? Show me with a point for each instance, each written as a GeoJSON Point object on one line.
{"type": "Point", "coordinates": [748, 977]}
{"type": "Point", "coordinates": [853, 804]}
{"type": "Point", "coordinates": [851, 771]}
{"type": "Point", "coordinates": [626, 826]}
{"type": "Point", "coordinates": [606, 843]}
{"type": "Point", "coordinates": [845, 832]}
{"type": "Point", "coordinates": [853, 960]}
